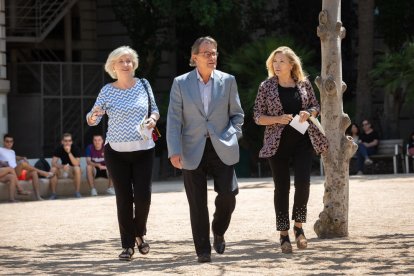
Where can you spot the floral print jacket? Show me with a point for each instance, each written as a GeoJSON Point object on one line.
{"type": "Point", "coordinates": [268, 103]}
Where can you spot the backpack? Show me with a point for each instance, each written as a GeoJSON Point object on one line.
{"type": "Point", "coordinates": [43, 165]}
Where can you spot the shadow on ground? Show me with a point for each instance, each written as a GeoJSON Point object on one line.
{"type": "Point", "coordinates": [323, 256]}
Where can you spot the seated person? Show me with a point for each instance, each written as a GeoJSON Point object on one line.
{"type": "Point", "coordinates": [69, 166]}
{"type": "Point", "coordinates": [23, 169]}
{"type": "Point", "coordinates": [353, 131]}
{"type": "Point", "coordinates": [8, 175]}
{"type": "Point", "coordinates": [96, 164]}
{"type": "Point", "coordinates": [367, 145]}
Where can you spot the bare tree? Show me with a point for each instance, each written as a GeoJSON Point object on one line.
{"type": "Point", "coordinates": [365, 57]}
{"type": "Point", "coordinates": [333, 220]}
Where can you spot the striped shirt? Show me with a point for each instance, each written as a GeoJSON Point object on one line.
{"type": "Point", "coordinates": [126, 110]}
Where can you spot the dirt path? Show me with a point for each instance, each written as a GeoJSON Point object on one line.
{"type": "Point", "coordinates": [72, 236]}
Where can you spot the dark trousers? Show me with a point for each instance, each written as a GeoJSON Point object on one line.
{"type": "Point", "coordinates": [225, 184]}
{"type": "Point", "coordinates": [362, 153]}
{"type": "Point", "coordinates": [131, 174]}
{"type": "Point", "coordinates": [297, 148]}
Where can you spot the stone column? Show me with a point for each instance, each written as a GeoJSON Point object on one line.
{"type": "Point", "coordinates": [4, 83]}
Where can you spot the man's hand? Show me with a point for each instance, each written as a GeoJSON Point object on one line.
{"type": "Point", "coordinates": [67, 148]}
{"type": "Point", "coordinates": [176, 161]}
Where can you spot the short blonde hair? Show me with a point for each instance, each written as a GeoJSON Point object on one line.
{"type": "Point", "coordinates": [196, 47]}
{"type": "Point", "coordinates": [297, 71]}
{"type": "Point", "coordinates": [116, 54]}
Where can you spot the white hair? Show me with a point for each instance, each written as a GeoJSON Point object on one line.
{"type": "Point", "coordinates": [116, 54]}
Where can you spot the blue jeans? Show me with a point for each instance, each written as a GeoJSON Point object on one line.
{"type": "Point", "coordinates": [362, 153]}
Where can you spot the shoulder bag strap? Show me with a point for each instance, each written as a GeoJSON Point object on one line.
{"type": "Point", "coordinates": [149, 99]}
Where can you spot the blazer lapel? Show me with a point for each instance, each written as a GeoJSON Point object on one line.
{"type": "Point", "coordinates": [194, 91]}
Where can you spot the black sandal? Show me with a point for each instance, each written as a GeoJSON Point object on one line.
{"type": "Point", "coordinates": [143, 247]}
{"type": "Point", "coordinates": [126, 254]}
{"type": "Point", "coordinates": [301, 241]}
{"type": "Point", "coordinates": [285, 244]}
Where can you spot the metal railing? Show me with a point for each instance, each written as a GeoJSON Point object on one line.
{"type": "Point", "coordinates": [67, 91]}
{"type": "Point", "coordinates": [32, 20]}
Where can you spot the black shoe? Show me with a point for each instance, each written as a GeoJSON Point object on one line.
{"type": "Point", "coordinates": [219, 244]}
{"type": "Point", "coordinates": [126, 254]}
{"type": "Point", "coordinates": [204, 258]}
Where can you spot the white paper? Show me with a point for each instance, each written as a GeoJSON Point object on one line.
{"type": "Point", "coordinates": [301, 127]}
{"type": "Point", "coordinates": [144, 131]}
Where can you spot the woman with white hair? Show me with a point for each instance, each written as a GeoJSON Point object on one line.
{"type": "Point", "coordinates": [129, 147]}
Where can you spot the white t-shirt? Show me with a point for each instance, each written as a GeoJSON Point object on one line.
{"type": "Point", "coordinates": [9, 156]}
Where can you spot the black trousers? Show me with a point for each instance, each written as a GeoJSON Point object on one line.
{"type": "Point", "coordinates": [225, 184]}
{"type": "Point", "coordinates": [297, 148]}
{"type": "Point", "coordinates": [131, 174]}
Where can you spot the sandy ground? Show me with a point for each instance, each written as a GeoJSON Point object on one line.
{"type": "Point", "coordinates": [81, 237]}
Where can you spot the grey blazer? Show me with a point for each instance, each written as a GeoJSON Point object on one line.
{"type": "Point", "coordinates": [188, 125]}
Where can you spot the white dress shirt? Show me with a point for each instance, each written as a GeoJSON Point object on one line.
{"type": "Point", "coordinates": [205, 90]}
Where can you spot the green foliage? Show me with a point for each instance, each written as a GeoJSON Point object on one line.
{"type": "Point", "coordinates": [143, 20]}
{"type": "Point", "coordinates": [149, 25]}
{"type": "Point", "coordinates": [395, 21]}
{"type": "Point", "coordinates": [248, 64]}
{"type": "Point", "coordinates": [395, 73]}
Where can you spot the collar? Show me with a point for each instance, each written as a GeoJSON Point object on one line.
{"type": "Point", "coordinates": [201, 79]}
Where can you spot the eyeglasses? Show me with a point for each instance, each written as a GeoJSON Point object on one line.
{"type": "Point", "coordinates": [67, 141]}
{"type": "Point", "coordinates": [208, 54]}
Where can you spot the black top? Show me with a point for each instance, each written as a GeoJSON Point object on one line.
{"type": "Point", "coordinates": [64, 156]}
{"type": "Point", "coordinates": [292, 140]}
{"type": "Point", "coordinates": [290, 99]}
{"type": "Point", "coordinates": [368, 138]}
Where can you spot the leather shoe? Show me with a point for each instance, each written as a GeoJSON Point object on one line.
{"type": "Point", "coordinates": [204, 258]}
{"type": "Point", "coordinates": [219, 244]}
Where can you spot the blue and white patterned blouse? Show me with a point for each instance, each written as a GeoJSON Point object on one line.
{"type": "Point", "coordinates": [126, 110]}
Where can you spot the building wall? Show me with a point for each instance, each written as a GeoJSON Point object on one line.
{"type": "Point", "coordinates": [110, 33]}
{"type": "Point", "coordinates": [88, 36]}
{"type": "Point", "coordinates": [4, 83]}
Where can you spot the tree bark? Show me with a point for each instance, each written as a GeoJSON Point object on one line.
{"type": "Point", "coordinates": [333, 220]}
{"type": "Point", "coordinates": [365, 59]}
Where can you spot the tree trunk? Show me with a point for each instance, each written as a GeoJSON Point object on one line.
{"type": "Point", "coordinates": [365, 57]}
{"type": "Point", "coordinates": [333, 220]}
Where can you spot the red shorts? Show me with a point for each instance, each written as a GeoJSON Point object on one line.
{"type": "Point", "coordinates": [22, 175]}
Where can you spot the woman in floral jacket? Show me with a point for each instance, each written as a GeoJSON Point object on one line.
{"type": "Point", "coordinates": [286, 93]}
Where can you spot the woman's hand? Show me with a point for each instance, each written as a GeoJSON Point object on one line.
{"type": "Point", "coordinates": [284, 119]}
{"type": "Point", "coordinates": [98, 111]}
{"type": "Point", "coordinates": [150, 123]}
{"type": "Point", "coordinates": [304, 115]}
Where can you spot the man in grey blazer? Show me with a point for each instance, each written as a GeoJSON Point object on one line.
{"type": "Point", "coordinates": [203, 127]}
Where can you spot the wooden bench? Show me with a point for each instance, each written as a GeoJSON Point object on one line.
{"type": "Point", "coordinates": [392, 148]}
